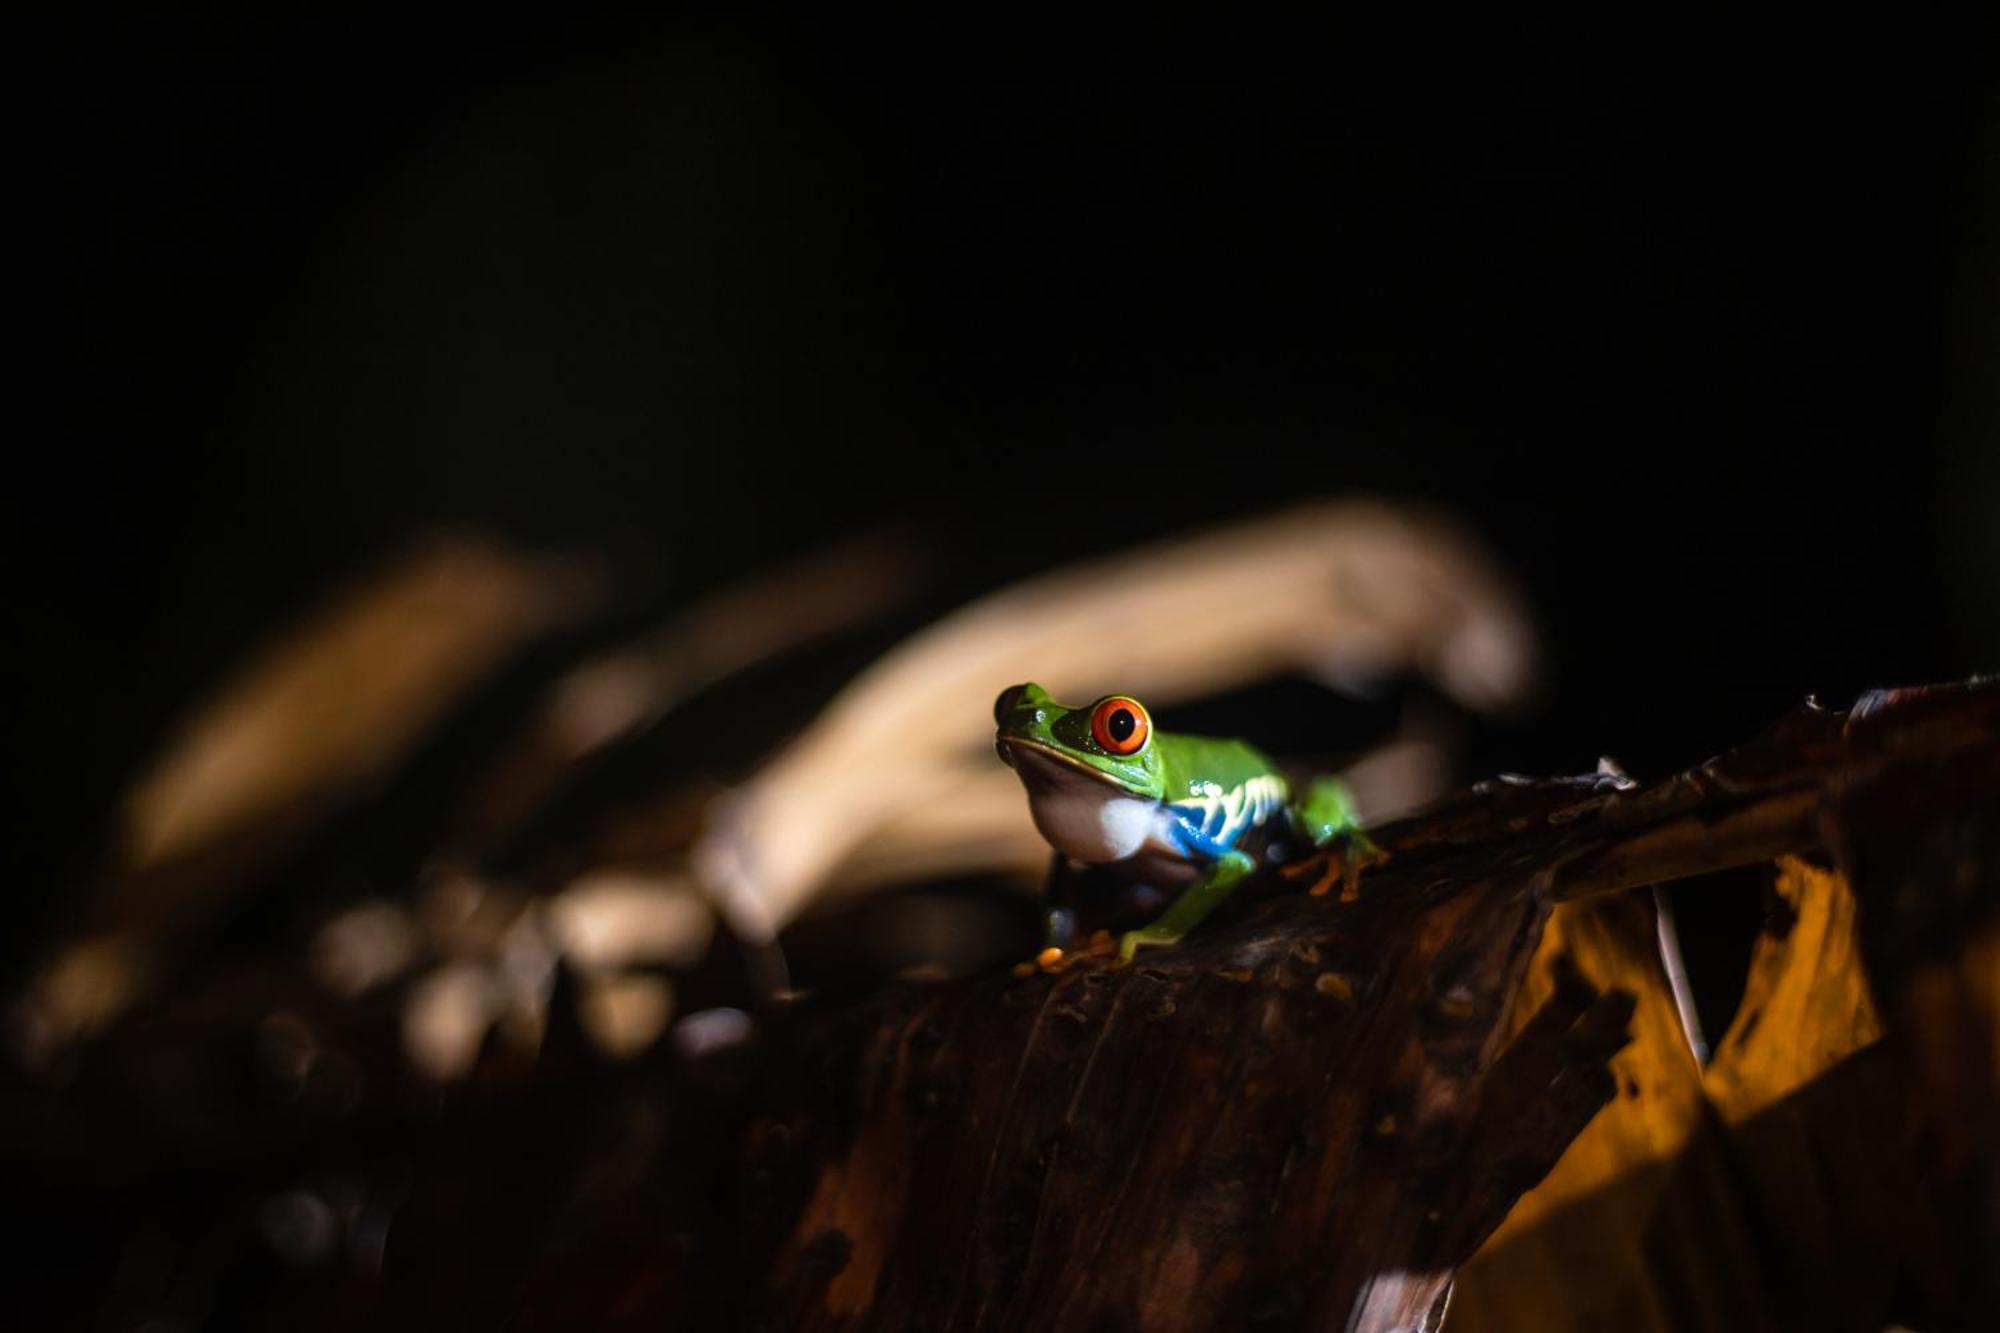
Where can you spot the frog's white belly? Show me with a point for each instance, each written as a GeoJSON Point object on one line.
{"type": "Point", "coordinates": [1095, 828]}
{"type": "Point", "coordinates": [1089, 820]}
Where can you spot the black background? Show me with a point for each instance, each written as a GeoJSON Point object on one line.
{"type": "Point", "coordinates": [1697, 330]}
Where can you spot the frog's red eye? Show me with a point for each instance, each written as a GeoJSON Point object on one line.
{"type": "Point", "coordinates": [1120, 725]}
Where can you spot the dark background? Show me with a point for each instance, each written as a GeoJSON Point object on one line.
{"type": "Point", "coordinates": [1699, 331]}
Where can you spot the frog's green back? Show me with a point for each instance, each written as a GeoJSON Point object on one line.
{"type": "Point", "coordinates": [1188, 762]}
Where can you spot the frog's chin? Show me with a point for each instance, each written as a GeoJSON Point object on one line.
{"type": "Point", "coordinates": [1082, 813]}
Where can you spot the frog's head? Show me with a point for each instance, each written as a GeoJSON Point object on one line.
{"type": "Point", "coordinates": [1110, 742]}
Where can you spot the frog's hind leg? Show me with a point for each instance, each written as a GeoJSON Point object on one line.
{"type": "Point", "coordinates": [1328, 812]}
{"type": "Point", "coordinates": [1196, 901]}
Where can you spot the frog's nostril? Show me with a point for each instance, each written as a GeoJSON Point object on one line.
{"type": "Point", "coordinates": [1005, 703]}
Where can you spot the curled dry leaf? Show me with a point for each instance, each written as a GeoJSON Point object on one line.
{"type": "Point", "coordinates": [1343, 591]}
{"type": "Point", "coordinates": [327, 708]}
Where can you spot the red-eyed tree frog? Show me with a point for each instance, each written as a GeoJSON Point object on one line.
{"type": "Point", "coordinates": [1187, 812]}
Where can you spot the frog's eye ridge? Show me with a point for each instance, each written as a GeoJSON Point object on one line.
{"type": "Point", "coordinates": [1120, 725]}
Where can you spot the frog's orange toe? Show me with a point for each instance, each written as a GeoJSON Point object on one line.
{"type": "Point", "coordinates": [1350, 888]}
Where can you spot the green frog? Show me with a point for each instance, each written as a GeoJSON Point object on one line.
{"type": "Point", "coordinates": [1192, 813]}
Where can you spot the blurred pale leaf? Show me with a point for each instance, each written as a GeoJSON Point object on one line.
{"type": "Point", "coordinates": [340, 698]}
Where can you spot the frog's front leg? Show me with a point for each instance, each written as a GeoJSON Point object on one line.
{"type": "Point", "coordinates": [1059, 903]}
{"type": "Point", "coordinates": [1328, 812]}
{"type": "Point", "coordinates": [1196, 901]}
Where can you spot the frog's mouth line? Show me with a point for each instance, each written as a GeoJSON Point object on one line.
{"type": "Point", "coordinates": [1051, 754]}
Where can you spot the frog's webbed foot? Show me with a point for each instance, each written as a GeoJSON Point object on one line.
{"type": "Point", "coordinates": [1343, 865]}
